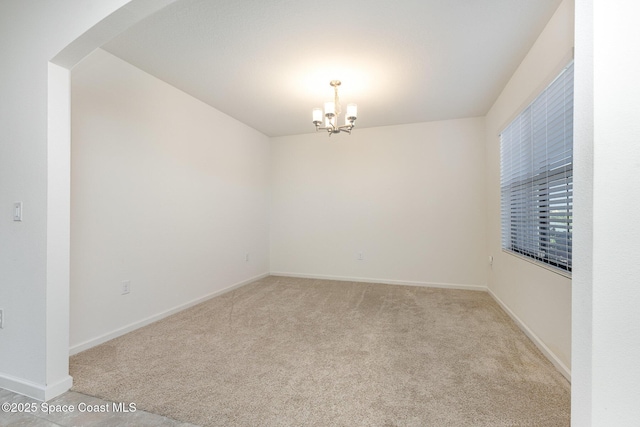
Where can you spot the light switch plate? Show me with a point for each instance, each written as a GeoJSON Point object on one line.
{"type": "Point", "coordinates": [17, 211]}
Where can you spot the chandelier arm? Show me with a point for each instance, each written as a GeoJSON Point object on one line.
{"type": "Point", "coordinates": [331, 128]}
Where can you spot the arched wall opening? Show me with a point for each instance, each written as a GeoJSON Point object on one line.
{"type": "Point", "coordinates": [36, 170]}
{"type": "Point", "coordinates": [59, 184]}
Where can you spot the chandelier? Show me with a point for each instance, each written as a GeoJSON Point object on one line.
{"type": "Point", "coordinates": [332, 113]}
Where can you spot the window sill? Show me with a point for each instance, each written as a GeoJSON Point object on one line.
{"type": "Point", "coordinates": [551, 268]}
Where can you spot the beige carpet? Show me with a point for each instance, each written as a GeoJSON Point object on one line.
{"type": "Point", "coordinates": [284, 351]}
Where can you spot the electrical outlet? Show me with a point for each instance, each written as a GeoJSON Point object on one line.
{"type": "Point", "coordinates": [126, 287]}
{"type": "Point", "coordinates": [1, 318]}
{"type": "Point", "coordinates": [360, 256]}
{"type": "Point", "coordinates": [246, 257]}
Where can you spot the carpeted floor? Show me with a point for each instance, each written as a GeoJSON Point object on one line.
{"type": "Point", "coordinates": [287, 351]}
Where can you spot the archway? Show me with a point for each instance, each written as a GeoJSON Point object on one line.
{"type": "Point", "coordinates": [58, 181]}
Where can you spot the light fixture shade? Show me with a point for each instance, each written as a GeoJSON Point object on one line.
{"type": "Point", "coordinates": [352, 111]}
{"type": "Point", "coordinates": [317, 115]}
{"type": "Point", "coordinates": [329, 109]}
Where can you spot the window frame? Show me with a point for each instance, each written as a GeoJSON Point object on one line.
{"type": "Point", "coordinates": [540, 191]}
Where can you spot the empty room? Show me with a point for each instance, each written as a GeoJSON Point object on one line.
{"type": "Point", "coordinates": [291, 213]}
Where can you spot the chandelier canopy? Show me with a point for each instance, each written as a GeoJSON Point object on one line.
{"type": "Point", "coordinates": [332, 113]}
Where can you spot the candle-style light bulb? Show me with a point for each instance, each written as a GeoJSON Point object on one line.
{"type": "Point", "coordinates": [317, 115]}
{"type": "Point", "coordinates": [329, 109]}
{"type": "Point", "coordinates": [352, 112]}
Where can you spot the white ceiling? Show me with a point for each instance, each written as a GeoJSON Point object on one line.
{"type": "Point", "coordinates": [267, 63]}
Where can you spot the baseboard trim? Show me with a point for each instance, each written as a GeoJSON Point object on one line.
{"type": "Point", "coordinates": [560, 366]}
{"type": "Point", "coordinates": [34, 390]}
{"type": "Point", "coordinates": [56, 389]}
{"type": "Point", "coordinates": [144, 322]}
{"type": "Point", "coordinates": [383, 281]}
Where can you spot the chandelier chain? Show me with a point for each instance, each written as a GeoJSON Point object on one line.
{"type": "Point", "coordinates": [337, 100]}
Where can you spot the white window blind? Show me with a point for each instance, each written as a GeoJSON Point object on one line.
{"type": "Point", "coordinates": [536, 163]}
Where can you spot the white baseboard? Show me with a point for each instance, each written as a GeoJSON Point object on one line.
{"type": "Point", "coordinates": [56, 389]}
{"type": "Point", "coordinates": [566, 372]}
{"type": "Point", "coordinates": [383, 281]}
{"type": "Point", "coordinates": [144, 322]}
{"type": "Point", "coordinates": [36, 391]}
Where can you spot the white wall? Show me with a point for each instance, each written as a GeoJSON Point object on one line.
{"type": "Point", "coordinates": [167, 192]}
{"type": "Point", "coordinates": [409, 197]}
{"type": "Point", "coordinates": [606, 335]}
{"type": "Point", "coordinates": [582, 298]}
{"type": "Point", "coordinates": [58, 200]}
{"type": "Point", "coordinates": [539, 298]}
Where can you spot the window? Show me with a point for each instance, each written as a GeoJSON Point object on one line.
{"type": "Point", "coordinates": [536, 179]}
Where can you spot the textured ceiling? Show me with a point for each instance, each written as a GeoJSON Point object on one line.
{"type": "Point", "coordinates": [267, 63]}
